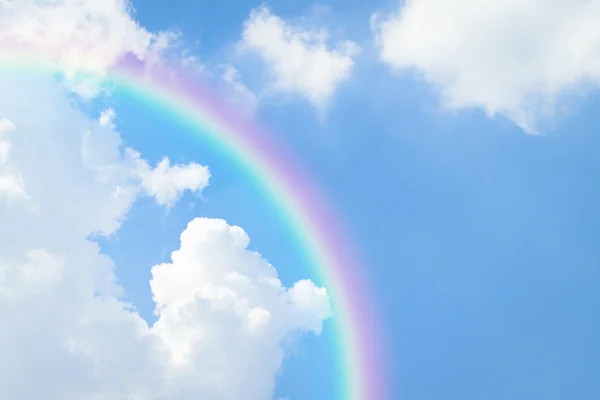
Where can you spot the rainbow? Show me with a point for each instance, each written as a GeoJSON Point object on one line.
{"type": "Point", "coordinates": [314, 225]}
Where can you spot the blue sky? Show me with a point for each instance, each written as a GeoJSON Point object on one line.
{"type": "Point", "coordinates": [460, 148]}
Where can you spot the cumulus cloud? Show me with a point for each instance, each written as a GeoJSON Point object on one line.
{"type": "Point", "coordinates": [223, 314]}
{"type": "Point", "coordinates": [167, 183]}
{"type": "Point", "coordinates": [79, 35]}
{"type": "Point", "coordinates": [510, 57]}
{"type": "Point", "coordinates": [299, 59]}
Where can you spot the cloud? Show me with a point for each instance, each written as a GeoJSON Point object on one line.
{"type": "Point", "coordinates": [12, 186]}
{"type": "Point", "coordinates": [6, 126]}
{"type": "Point", "coordinates": [130, 174]}
{"type": "Point", "coordinates": [167, 183]}
{"type": "Point", "coordinates": [510, 57]}
{"type": "Point", "coordinates": [79, 35]}
{"type": "Point", "coordinates": [223, 314]}
{"type": "Point", "coordinates": [299, 59]}
{"type": "Point", "coordinates": [238, 93]}
{"type": "Point", "coordinates": [223, 311]}
{"type": "Point", "coordinates": [107, 117]}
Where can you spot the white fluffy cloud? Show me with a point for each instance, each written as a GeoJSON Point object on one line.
{"type": "Point", "coordinates": [299, 59]}
{"type": "Point", "coordinates": [509, 57]}
{"type": "Point", "coordinates": [223, 314]}
{"type": "Point", "coordinates": [79, 35]}
{"type": "Point", "coordinates": [166, 183]}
